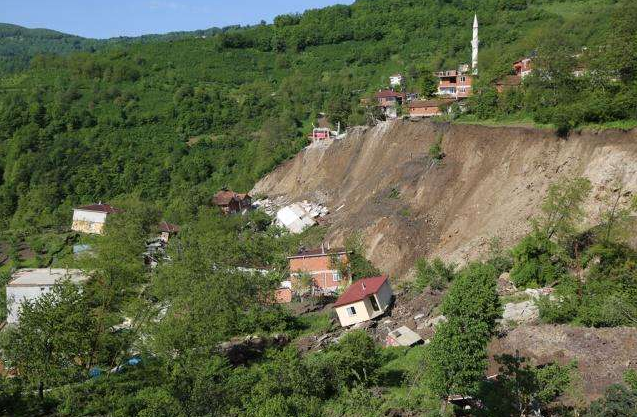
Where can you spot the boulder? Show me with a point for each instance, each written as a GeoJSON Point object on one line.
{"type": "Point", "coordinates": [524, 312]}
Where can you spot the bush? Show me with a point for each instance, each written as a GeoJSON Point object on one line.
{"type": "Point", "coordinates": [434, 274]}
{"type": "Point", "coordinates": [537, 261]}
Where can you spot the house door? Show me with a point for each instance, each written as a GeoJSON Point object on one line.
{"type": "Point", "coordinates": [372, 300]}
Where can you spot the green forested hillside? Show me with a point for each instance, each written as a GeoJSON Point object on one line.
{"type": "Point", "coordinates": [173, 121]}
{"type": "Point", "coordinates": [157, 127]}
{"type": "Point", "coordinates": [18, 45]}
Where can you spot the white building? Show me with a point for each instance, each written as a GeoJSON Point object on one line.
{"type": "Point", "coordinates": [364, 300]}
{"type": "Point", "coordinates": [396, 80]}
{"type": "Point", "coordinates": [91, 218]}
{"type": "Point", "coordinates": [29, 284]}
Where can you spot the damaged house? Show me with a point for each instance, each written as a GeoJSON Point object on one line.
{"type": "Point", "coordinates": [364, 300]}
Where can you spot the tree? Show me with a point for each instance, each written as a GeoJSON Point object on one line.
{"type": "Point", "coordinates": [473, 295]}
{"type": "Point", "coordinates": [457, 357]}
{"type": "Point", "coordinates": [522, 389]}
{"type": "Point", "coordinates": [428, 83]}
{"type": "Point", "coordinates": [53, 340]}
{"type": "Point", "coordinates": [618, 401]}
{"type": "Point", "coordinates": [562, 208]}
{"type": "Point", "coordinates": [360, 267]}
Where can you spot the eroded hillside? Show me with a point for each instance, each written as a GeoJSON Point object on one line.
{"type": "Point", "coordinates": [491, 181]}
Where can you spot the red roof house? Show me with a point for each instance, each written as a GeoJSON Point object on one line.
{"type": "Point", "coordinates": [364, 300]}
{"type": "Point", "coordinates": [167, 230]}
{"type": "Point", "coordinates": [230, 202]}
{"type": "Point", "coordinates": [92, 218]}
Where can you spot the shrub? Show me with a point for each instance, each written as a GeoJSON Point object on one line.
{"type": "Point", "coordinates": [434, 274]}
{"type": "Point", "coordinates": [537, 261]}
{"type": "Point", "coordinates": [435, 150]}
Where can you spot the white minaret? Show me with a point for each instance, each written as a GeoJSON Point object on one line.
{"type": "Point", "coordinates": [474, 46]}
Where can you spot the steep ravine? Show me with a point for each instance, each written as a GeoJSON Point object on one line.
{"type": "Point", "coordinates": [490, 182]}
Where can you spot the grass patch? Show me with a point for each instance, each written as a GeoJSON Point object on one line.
{"type": "Point", "coordinates": [315, 323]}
{"type": "Point", "coordinates": [617, 124]}
{"type": "Point", "coordinates": [515, 120]}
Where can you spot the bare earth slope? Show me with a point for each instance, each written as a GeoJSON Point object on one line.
{"type": "Point", "coordinates": [490, 182]}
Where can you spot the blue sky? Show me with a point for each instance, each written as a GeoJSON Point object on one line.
{"type": "Point", "coordinates": [108, 18]}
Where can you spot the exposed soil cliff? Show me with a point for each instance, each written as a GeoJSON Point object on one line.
{"type": "Point", "coordinates": [381, 181]}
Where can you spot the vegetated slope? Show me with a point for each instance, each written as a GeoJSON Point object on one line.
{"type": "Point", "coordinates": [490, 182]}
{"type": "Point", "coordinates": [19, 44]}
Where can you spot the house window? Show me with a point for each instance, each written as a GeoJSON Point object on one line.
{"type": "Point", "coordinates": [463, 79]}
{"type": "Point", "coordinates": [375, 306]}
{"type": "Point", "coordinates": [351, 311]}
{"type": "Point", "coordinates": [336, 276]}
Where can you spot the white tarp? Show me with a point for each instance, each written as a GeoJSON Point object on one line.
{"type": "Point", "coordinates": [294, 218]}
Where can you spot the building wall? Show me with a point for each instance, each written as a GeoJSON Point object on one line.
{"type": "Point", "coordinates": [320, 268]}
{"type": "Point", "coordinates": [363, 313]}
{"type": "Point", "coordinates": [283, 295]}
{"type": "Point", "coordinates": [88, 221]}
{"type": "Point", "coordinates": [424, 111]}
{"type": "Point", "coordinates": [17, 295]}
{"type": "Point", "coordinates": [384, 295]}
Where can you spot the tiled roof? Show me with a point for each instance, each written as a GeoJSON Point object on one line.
{"type": "Point", "coordinates": [102, 208]}
{"type": "Point", "coordinates": [360, 290]}
{"type": "Point", "coordinates": [429, 103]}
{"type": "Point", "coordinates": [387, 94]}
{"type": "Point", "coordinates": [224, 197]}
{"type": "Point", "coordinates": [168, 228]}
{"type": "Point", "coordinates": [510, 80]}
{"type": "Point", "coordinates": [317, 252]}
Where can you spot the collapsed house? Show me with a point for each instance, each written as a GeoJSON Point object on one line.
{"type": "Point", "coordinates": [297, 217]}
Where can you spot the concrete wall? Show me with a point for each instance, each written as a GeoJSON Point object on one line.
{"type": "Point", "coordinates": [88, 221]}
{"type": "Point", "coordinates": [364, 309]}
{"type": "Point", "coordinates": [384, 295]}
{"type": "Point", "coordinates": [363, 313]}
{"type": "Point", "coordinates": [17, 295]}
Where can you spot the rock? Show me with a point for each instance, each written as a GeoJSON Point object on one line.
{"type": "Point", "coordinates": [504, 284]}
{"type": "Point", "coordinates": [419, 316]}
{"type": "Point", "coordinates": [536, 293]}
{"type": "Point", "coordinates": [524, 312]}
{"type": "Point", "coordinates": [433, 322]}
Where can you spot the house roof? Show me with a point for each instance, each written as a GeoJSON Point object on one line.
{"type": "Point", "coordinates": [360, 290]}
{"type": "Point", "coordinates": [102, 208]}
{"type": "Point", "coordinates": [429, 103]}
{"type": "Point", "coordinates": [306, 253]}
{"type": "Point", "coordinates": [510, 80]}
{"type": "Point", "coordinates": [387, 94]}
{"type": "Point", "coordinates": [43, 277]}
{"type": "Point", "coordinates": [168, 227]}
{"type": "Point", "coordinates": [224, 197]}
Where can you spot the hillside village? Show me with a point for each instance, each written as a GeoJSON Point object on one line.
{"type": "Point", "coordinates": [422, 263]}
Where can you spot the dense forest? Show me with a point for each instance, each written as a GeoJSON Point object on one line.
{"type": "Point", "coordinates": [156, 126]}
{"type": "Point", "coordinates": [18, 45]}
